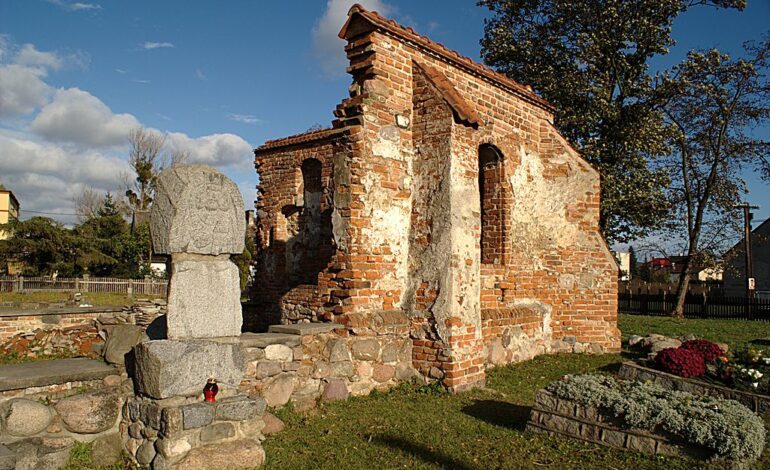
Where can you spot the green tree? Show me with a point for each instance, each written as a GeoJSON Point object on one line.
{"type": "Point", "coordinates": [44, 246]}
{"type": "Point", "coordinates": [591, 60]}
{"type": "Point", "coordinates": [716, 104]}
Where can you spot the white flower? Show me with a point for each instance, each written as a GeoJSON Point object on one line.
{"type": "Point", "coordinates": [755, 384]}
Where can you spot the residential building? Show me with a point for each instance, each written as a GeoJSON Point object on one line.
{"type": "Point", "coordinates": [9, 210]}
{"type": "Point", "coordinates": [735, 263]}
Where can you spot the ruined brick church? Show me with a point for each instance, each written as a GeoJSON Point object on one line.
{"type": "Point", "coordinates": [441, 205]}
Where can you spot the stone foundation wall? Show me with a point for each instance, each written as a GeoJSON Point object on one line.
{"type": "Point", "coordinates": [14, 322]}
{"type": "Point", "coordinates": [554, 415]}
{"type": "Point", "coordinates": [331, 365]}
{"type": "Point", "coordinates": [515, 334]}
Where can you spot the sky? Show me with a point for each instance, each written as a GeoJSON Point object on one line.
{"type": "Point", "coordinates": [219, 78]}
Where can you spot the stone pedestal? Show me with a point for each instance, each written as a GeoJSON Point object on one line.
{"type": "Point", "coordinates": [204, 297]}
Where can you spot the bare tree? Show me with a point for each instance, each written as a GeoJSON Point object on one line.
{"type": "Point", "coordinates": [716, 103]}
{"type": "Point", "coordinates": [87, 203]}
{"type": "Point", "coordinates": [147, 159]}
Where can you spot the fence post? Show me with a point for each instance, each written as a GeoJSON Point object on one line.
{"type": "Point", "coordinates": [77, 284]}
{"type": "Point", "coordinates": [86, 276]}
{"type": "Point", "coordinates": [130, 290]}
{"type": "Point", "coordinates": [21, 285]}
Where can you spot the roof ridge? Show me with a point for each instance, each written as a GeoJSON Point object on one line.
{"type": "Point", "coordinates": [410, 34]}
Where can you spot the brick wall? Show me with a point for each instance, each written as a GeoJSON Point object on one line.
{"type": "Point", "coordinates": [411, 195]}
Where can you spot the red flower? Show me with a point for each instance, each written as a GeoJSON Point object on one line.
{"type": "Point", "coordinates": [681, 362]}
{"type": "Point", "coordinates": [709, 350]}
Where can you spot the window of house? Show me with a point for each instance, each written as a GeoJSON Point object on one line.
{"type": "Point", "coordinates": [492, 204]}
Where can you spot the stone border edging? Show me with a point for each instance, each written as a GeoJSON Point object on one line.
{"type": "Point", "coordinates": [553, 415]}
{"type": "Point", "coordinates": [633, 371]}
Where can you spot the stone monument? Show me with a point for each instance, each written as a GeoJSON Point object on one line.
{"type": "Point", "coordinates": [197, 218]}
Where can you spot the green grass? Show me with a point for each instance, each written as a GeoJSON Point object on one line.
{"type": "Point", "coordinates": [93, 298]}
{"type": "Point", "coordinates": [16, 358]}
{"type": "Point", "coordinates": [736, 333]}
{"type": "Point", "coordinates": [423, 429]}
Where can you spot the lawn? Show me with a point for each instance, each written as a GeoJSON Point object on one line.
{"type": "Point", "coordinates": [424, 428]}
{"type": "Point", "coordinates": [92, 298]}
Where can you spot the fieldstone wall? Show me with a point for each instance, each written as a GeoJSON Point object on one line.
{"type": "Point", "coordinates": [322, 362]}
{"type": "Point", "coordinates": [554, 415]}
{"type": "Point", "coordinates": [186, 433]}
{"type": "Point", "coordinates": [38, 427]}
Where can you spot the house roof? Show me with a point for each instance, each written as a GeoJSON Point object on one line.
{"type": "Point", "coordinates": [759, 228]}
{"type": "Point", "coordinates": [469, 65]}
{"type": "Point", "coordinates": [464, 111]}
{"type": "Point", "coordinates": [310, 137]}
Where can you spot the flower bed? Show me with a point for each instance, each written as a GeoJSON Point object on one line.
{"type": "Point", "coordinates": [648, 418]}
{"type": "Point", "coordinates": [636, 371]}
{"type": "Point", "coordinates": [747, 370]}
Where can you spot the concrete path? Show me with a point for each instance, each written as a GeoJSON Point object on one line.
{"type": "Point", "coordinates": [57, 371]}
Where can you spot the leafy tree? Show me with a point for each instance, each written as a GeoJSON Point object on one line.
{"type": "Point", "coordinates": [44, 246]}
{"type": "Point", "coordinates": [633, 262]}
{"type": "Point", "coordinates": [716, 103]}
{"type": "Point", "coordinates": [590, 59]}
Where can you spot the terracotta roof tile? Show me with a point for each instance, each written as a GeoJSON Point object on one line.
{"type": "Point", "coordinates": [470, 65]}
{"type": "Point", "coordinates": [462, 108]}
{"type": "Point", "coordinates": [299, 139]}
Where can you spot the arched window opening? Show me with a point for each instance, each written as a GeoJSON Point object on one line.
{"type": "Point", "coordinates": [311, 183]}
{"type": "Point", "coordinates": [492, 204]}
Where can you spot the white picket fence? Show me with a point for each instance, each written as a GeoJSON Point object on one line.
{"type": "Point", "coordinates": [146, 286]}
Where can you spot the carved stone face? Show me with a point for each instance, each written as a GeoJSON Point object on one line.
{"type": "Point", "coordinates": [197, 210]}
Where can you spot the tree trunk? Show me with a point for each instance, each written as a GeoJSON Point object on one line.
{"type": "Point", "coordinates": [681, 290]}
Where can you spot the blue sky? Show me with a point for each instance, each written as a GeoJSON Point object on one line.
{"type": "Point", "coordinates": [219, 77]}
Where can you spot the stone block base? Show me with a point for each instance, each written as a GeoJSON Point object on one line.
{"type": "Point", "coordinates": [167, 368]}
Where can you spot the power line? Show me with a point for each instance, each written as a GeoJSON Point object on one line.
{"type": "Point", "coordinates": [47, 213]}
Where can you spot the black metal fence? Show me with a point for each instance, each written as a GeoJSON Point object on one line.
{"type": "Point", "coordinates": [696, 306]}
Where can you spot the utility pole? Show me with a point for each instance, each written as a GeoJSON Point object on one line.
{"type": "Point", "coordinates": [749, 271]}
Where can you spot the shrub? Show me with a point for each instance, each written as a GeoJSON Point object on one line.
{"type": "Point", "coordinates": [709, 350]}
{"type": "Point", "coordinates": [681, 362]}
{"type": "Point", "coordinates": [725, 426]}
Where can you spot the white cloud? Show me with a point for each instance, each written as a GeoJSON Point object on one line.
{"type": "Point", "coordinates": [201, 76]}
{"type": "Point", "coordinates": [76, 6]}
{"type": "Point", "coordinates": [28, 56]}
{"type": "Point", "coordinates": [22, 90]}
{"type": "Point", "coordinates": [85, 6]}
{"type": "Point", "coordinates": [214, 149]}
{"type": "Point", "coordinates": [157, 45]}
{"type": "Point", "coordinates": [121, 71]}
{"type": "Point", "coordinates": [79, 117]}
{"type": "Point", "coordinates": [244, 118]}
{"type": "Point", "coordinates": [75, 139]}
{"type": "Point", "coordinates": [327, 46]}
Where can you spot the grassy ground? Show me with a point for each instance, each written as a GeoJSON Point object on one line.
{"type": "Point", "coordinates": [427, 429]}
{"type": "Point", "coordinates": [93, 298]}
